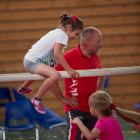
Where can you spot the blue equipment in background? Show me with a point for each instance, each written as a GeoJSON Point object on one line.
{"type": "Point", "coordinates": [48, 120]}
{"type": "Point", "coordinates": [18, 116]}
{"type": "Point", "coordinates": [106, 83]}
{"type": "Point", "coordinates": [5, 96]}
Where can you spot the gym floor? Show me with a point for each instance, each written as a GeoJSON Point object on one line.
{"type": "Point", "coordinates": [58, 133]}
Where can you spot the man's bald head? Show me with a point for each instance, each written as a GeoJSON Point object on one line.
{"type": "Point", "coordinates": [88, 32]}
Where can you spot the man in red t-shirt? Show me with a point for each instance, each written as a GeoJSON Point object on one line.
{"type": "Point", "coordinates": [78, 90]}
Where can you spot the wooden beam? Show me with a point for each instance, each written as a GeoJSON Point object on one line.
{"type": "Point", "coordinates": [64, 74]}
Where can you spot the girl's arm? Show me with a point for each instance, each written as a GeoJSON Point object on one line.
{"type": "Point", "coordinates": [58, 55]}
{"type": "Point", "coordinates": [88, 134]}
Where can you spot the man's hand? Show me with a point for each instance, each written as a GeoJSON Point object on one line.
{"type": "Point", "coordinates": [73, 102]}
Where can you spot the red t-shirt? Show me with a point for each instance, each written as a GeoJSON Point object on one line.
{"type": "Point", "coordinates": [83, 87]}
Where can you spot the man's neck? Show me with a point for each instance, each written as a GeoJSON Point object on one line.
{"type": "Point", "coordinates": [85, 52]}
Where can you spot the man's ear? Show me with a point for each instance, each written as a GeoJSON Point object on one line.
{"type": "Point", "coordinates": [86, 41]}
{"type": "Point", "coordinates": [69, 27]}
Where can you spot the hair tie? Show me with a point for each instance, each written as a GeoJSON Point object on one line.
{"type": "Point", "coordinates": [74, 18]}
{"type": "Point", "coordinates": [112, 106]}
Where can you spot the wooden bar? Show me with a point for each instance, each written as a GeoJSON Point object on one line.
{"type": "Point", "coordinates": [24, 4]}
{"type": "Point", "coordinates": [116, 80]}
{"type": "Point", "coordinates": [52, 24]}
{"type": "Point", "coordinates": [126, 102]}
{"type": "Point", "coordinates": [117, 30]}
{"type": "Point", "coordinates": [108, 41]}
{"type": "Point", "coordinates": [132, 89]}
{"type": "Point", "coordinates": [121, 60]}
{"type": "Point", "coordinates": [124, 79]}
{"type": "Point", "coordinates": [90, 11]}
{"type": "Point", "coordinates": [103, 52]}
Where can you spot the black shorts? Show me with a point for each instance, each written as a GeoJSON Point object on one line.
{"type": "Point", "coordinates": [73, 131]}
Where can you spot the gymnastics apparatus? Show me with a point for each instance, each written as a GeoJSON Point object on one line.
{"type": "Point", "coordinates": [64, 74]}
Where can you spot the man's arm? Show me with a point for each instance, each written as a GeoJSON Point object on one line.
{"type": "Point", "coordinates": [73, 102]}
{"type": "Point", "coordinates": [101, 82]}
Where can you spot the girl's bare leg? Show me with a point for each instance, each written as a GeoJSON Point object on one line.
{"type": "Point", "coordinates": [53, 76]}
{"type": "Point", "coordinates": [27, 84]}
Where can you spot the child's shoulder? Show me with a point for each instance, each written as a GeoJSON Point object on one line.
{"type": "Point", "coordinates": [55, 31]}
{"type": "Point", "coordinates": [108, 119]}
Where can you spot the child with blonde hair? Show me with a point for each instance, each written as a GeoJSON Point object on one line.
{"type": "Point", "coordinates": [43, 56]}
{"type": "Point", "coordinates": [107, 127]}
